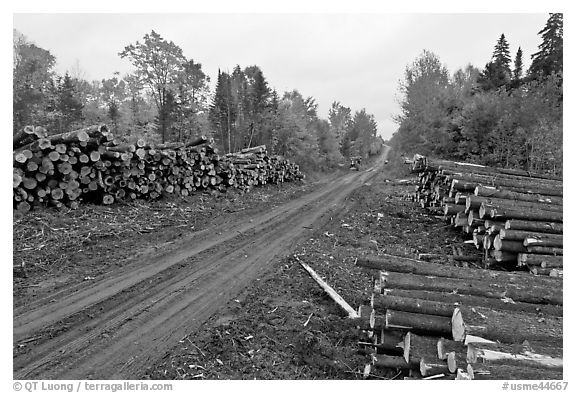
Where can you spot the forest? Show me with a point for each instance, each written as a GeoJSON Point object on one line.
{"type": "Point", "coordinates": [505, 115]}
{"type": "Point", "coordinates": [168, 99]}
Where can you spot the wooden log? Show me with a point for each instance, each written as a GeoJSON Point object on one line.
{"type": "Point", "coordinates": [400, 264]}
{"type": "Point", "coordinates": [526, 214]}
{"type": "Point", "coordinates": [474, 219]}
{"type": "Point", "coordinates": [511, 327]}
{"type": "Point", "coordinates": [545, 250]}
{"type": "Point", "coordinates": [535, 226]}
{"type": "Point", "coordinates": [452, 209]}
{"type": "Point", "coordinates": [420, 306]}
{"type": "Point", "coordinates": [23, 137]}
{"type": "Point", "coordinates": [518, 235]}
{"type": "Point", "coordinates": [513, 186]}
{"type": "Point", "coordinates": [81, 135]}
{"type": "Point", "coordinates": [512, 355]}
{"type": "Point", "coordinates": [508, 245]}
{"type": "Point", "coordinates": [503, 256]}
{"type": "Point", "coordinates": [445, 346]}
{"type": "Point", "coordinates": [416, 347]}
{"type": "Point", "coordinates": [540, 271]}
{"type": "Point", "coordinates": [478, 240]}
{"type": "Point", "coordinates": [515, 288]}
{"type": "Point", "coordinates": [462, 375]}
{"type": "Point", "coordinates": [532, 241]}
{"type": "Point", "coordinates": [487, 371]}
{"type": "Point", "coordinates": [488, 242]}
{"type": "Point", "coordinates": [432, 366]}
{"type": "Point", "coordinates": [377, 321]}
{"type": "Point", "coordinates": [474, 202]}
{"type": "Point", "coordinates": [419, 323]}
{"type": "Point", "coordinates": [492, 192]}
{"type": "Point", "coordinates": [469, 181]}
{"type": "Point", "coordinates": [456, 360]}
{"type": "Point", "coordinates": [460, 199]}
{"type": "Point", "coordinates": [557, 273]}
{"type": "Point", "coordinates": [545, 261]}
{"type": "Point", "coordinates": [387, 361]}
{"type": "Point", "coordinates": [331, 292]}
{"type": "Point", "coordinates": [460, 219]}
{"type": "Point", "coordinates": [390, 342]}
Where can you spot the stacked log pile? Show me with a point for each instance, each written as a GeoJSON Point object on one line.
{"type": "Point", "coordinates": [515, 217]}
{"type": "Point", "coordinates": [434, 321]}
{"type": "Point", "coordinates": [91, 165]}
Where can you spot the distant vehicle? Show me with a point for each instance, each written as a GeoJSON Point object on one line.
{"type": "Point", "coordinates": [355, 163]}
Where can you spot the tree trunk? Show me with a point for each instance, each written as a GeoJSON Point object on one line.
{"type": "Point", "coordinates": [433, 366]}
{"type": "Point", "coordinates": [444, 347]}
{"type": "Point", "coordinates": [393, 362]}
{"type": "Point", "coordinates": [545, 250]}
{"type": "Point", "coordinates": [535, 226]}
{"type": "Point", "coordinates": [512, 234]}
{"type": "Point", "coordinates": [474, 202]}
{"type": "Point", "coordinates": [456, 299]}
{"type": "Point", "coordinates": [456, 360]}
{"type": "Point", "coordinates": [526, 214]}
{"type": "Point", "coordinates": [545, 261]}
{"type": "Point", "coordinates": [399, 264]}
{"type": "Point", "coordinates": [529, 291]}
{"type": "Point", "coordinates": [532, 241]}
{"type": "Point", "coordinates": [417, 347]}
{"type": "Point", "coordinates": [510, 327]}
{"type": "Point", "coordinates": [419, 323]}
{"type": "Point", "coordinates": [389, 302]}
{"type": "Point", "coordinates": [491, 192]}
{"type": "Point", "coordinates": [501, 354]}
{"type": "Point", "coordinates": [508, 245]}
{"type": "Point", "coordinates": [488, 371]}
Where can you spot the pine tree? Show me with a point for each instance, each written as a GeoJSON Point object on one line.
{"type": "Point", "coordinates": [497, 73]}
{"type": "Point", "coordinates": [68, 105]}
{"type": "Point", "coordinates": [222, 114]}
{"type": "Point", "coordinates": [548, 59]}
{"type": "Point", "coordinates": [518, 65]}
{"type": "Point", "coordinates": [501, 55]}
{"type": "Point", "coordinates": [517, 73]}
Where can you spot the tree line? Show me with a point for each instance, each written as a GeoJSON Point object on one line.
{"type": "Point", "coordinates": [168, 98]}
{"type": "Point", "coordinates": [501, 115]}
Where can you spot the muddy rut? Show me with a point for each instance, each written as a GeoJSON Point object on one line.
{"type": "Point", "coordinates": [116, 325]}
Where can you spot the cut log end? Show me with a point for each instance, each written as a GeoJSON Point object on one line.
{"type": "Point", "coordinates": [458, 328]}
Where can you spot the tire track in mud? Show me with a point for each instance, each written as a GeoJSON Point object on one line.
{"type": "Point", "coordinates": [145, 312]}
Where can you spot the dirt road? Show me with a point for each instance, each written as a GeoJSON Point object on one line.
{"type": "Point", "coordinates": [111, 327]}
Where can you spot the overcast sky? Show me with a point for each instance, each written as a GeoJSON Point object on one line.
{"type": "Point", "coordinates": [356, 59]}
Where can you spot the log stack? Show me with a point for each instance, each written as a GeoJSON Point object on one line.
{"type": "Point", "coordinates": [91, 165]}
{"type": "Point", "coordinates": [431, 321]}
{"type": "Point", "coordinates": [515, 217]}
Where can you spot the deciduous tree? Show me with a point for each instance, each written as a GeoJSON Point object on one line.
{"type": "Point", "coordinates": [159, 64]}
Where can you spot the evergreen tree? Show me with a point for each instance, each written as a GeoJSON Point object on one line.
{"type": "Point", "coordinates": [497, 73]}
{"type": "Point", "coordinates": [222, 115]}
{"type": "Point", "coordinates": [68, 105]}
{"type": "Point", "coordinates": [517, 74]}
{"type": "Point", "coordinates": [549, 57]}
{"type": "Point", "coordinates": [501, 55]}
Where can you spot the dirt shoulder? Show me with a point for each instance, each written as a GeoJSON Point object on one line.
{"type": "Point", "coordinates": [59, 248]}
{"type": "Point", "coordinates": [284, 326]}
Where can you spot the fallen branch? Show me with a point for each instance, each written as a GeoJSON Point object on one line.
{"type": "Point", "coordinates": [331, 292]}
